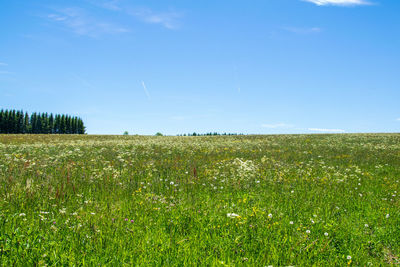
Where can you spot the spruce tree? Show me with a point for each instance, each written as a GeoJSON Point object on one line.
{"type": "Point", "coordinates": [1, 121]}
{"type": "Point", "coordinates": [33, 123]}
{"type": "Point", "coordinates": [62, 124]}
{"type": "Point", "coordinates": [27, 127]}
{"type": "Point", "coordinates": [51, 123]}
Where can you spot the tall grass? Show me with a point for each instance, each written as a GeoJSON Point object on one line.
{"type": "Point", "coordinates": [240, 200]}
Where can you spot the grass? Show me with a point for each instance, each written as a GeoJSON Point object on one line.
{"type": "Point", "coordinates": [240, 200]}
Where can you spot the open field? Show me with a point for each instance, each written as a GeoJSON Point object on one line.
{"type": "Point", "coordinates": [239, 200]}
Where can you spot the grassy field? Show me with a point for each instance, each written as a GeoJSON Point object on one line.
{"type": "Point", "coordinates": [242, 200]}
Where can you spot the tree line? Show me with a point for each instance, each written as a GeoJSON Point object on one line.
{"type": "Point", "coordinates": [18, 122]}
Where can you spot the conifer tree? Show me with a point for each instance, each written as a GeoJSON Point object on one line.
{"type": "Point", "coordinates": [1, 120]}
{"type": "Point", "coordinates": [51, 124]}
{"type": "Point", "coordinates": [26, 127]}
{"type": "Point", "coordinates": [62, 124]}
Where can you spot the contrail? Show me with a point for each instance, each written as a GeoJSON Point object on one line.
{"type": "Point", "coordinates": [145, 90]}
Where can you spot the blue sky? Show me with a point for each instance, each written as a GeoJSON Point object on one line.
{"type": "Point", "coordinates": [261, 66]}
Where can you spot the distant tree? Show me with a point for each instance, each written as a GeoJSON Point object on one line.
{"type": "Point", "coordinates": [1, 121]}
{"type": "Point", "coordinates": [26, 128]}
{"type": "Point", "coordinates": [18, 122]}
{"type": "Point", "coordinates": [62, 124]}
{"type": "Point", "coordinates": [159, 134]}
{"type": "Point", "coordinates": [81, 127]}
{"type": "Point", "coordinates": [74, 125]}
{"type": "Point", "coordinates": [51, 123]}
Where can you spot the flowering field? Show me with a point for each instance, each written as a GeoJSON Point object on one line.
{"type": "Point", "coordinates": [238, 200]}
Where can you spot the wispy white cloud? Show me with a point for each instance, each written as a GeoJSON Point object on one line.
{"type": "Point", "coordinates": [298, 30]}
{"type": "Point", "coordinates": [398, 119]}
{"type": "Point", "coordinates": [3, 64]}
{"type": "Point", "coordinates": [108, 4]}
{"type": "Point", "coordinates": [339, 2]}
{"type": "Point", "coordinates": [145, 90]}
{"type": "Point", "coordinates": [277, 125]}
{"type": "Point", "coordinates": [79, 22]}
{"type": "Point", "coordinates": [169, 20]}
{"type": "Point", "coordinates": [327, 130]}
{"type": "Point", "coordinates": [6, 72]}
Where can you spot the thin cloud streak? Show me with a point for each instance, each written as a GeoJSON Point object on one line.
{"type": "Point", "coordinates": [327, 130]}
{"type": "Point", "coordinates": [168, 20]}
{"type": "Point", "coordinates": [110, 5]}
{"type": "Point", "coordinates": [6, 72]}
{"type": "Point", "coordinates": [303, 31]}
{"type": "Point", "coordinates": [79, 22]}
{"type": "Point", "coordinates": [3, 64]}
{"type": "Point", "coordinates": [338, 2]}
{"type": "Point", "coordinates": [145, 90]}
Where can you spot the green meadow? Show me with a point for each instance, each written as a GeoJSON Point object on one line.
{"type": "Point", "coordinates": [274, 200]}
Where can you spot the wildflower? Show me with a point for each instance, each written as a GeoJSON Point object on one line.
{"type": "Point", "coordinates": [312, 221]}
{"type": "Point", "coordinates": [387, 216]}
{"type": "Point", "coordinates": [308, 231]}
{"type": "Point", "coordinates": [126, 219]}
{"type": "Point", "coordinates": [326, 234]}
{"type": "Point", "coordinates": [349, 257]}
{"type": "Point", "coordinates": [93, 213]}
{"type": "Point", "coordinates": [22, 214]}
{"type": "Point", "coordinates": [171, 183]}
{"type": "Point", "coordinates": [232, 215]}
{"type": "Point", "coordinates": [270, 215]}
{"type": "Point", "coordinates": [366, 225]}
{"type": "Point", "coordinates": [291, 222]}
{"type": "Point", "coordinates": [132, 221]}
